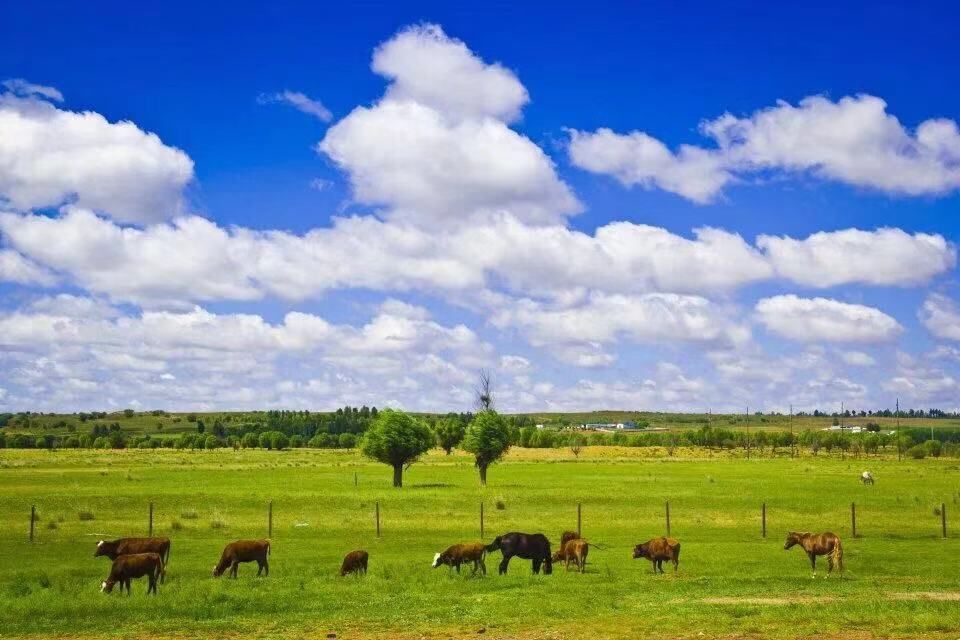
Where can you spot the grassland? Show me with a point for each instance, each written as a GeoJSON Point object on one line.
{"type": "Point", "coordinates": [901, 578]}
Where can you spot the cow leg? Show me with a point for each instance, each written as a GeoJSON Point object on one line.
{"type": "Point", "coordinates": [504, 564]}
{"type": "Point", "coordinates": [457, 565]}
{"type": "Point", "coordinates": [151, 585]}
{"type": "Point", "coordinates": [483, 566]}
{"type": "Point", "coordinates": [233, 569]}
{"type": "Point", "coordinates": [676, 564]}
{"type": "Point", "coordinates": [536, 565]}
{"type": "Point", "coordinates": [127, 584]}
{"type": "Point", "coordinates": [813, 564]}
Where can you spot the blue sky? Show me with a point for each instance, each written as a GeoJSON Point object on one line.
{"type": "Point", "coordinates": [306, 206]}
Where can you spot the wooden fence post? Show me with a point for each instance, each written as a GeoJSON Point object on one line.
{"type": "Point", "coordinates": [33, 517]}
{"type": "Point", "coordinates": [270, 519]}
{"type": "Point", "coordinates": [378, 518]}
{"type": "Point", "coordinates": [853, 518]}
{"type": "Point", "coordinates": [667, 504]}
{"type": "Point", "coordinates": [763, 519]}
{"type": "Point", "coordinates": [150, 526]}
{"type": "Point", "coordinates": [481, 520]}
{"type": "Point", "coordinates": [943, 519]}
{"type": "Point", "coordinates": [579, 520]}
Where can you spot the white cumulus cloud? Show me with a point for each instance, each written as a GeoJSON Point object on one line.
{"type": "Point", "coordinates": [853, 140]}
{"type": "Point", "coordinates": [825, 320]}
{"type": "Point", "coordinates": [49, 156]}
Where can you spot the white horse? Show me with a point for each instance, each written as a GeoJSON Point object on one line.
{"type": "Point", "coordinates": [866, 477]}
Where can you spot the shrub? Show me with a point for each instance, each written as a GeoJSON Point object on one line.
{"type": "Point", "coordinates": [176, 526]}
{"type": "Point", "coordinates": [52, 525]}
{"type": "Point", "coordinates": [211, 442]}
{"type": "Point", "coordinates": [296, 441]}
{"type": "Point", "coordinates": [85, 515]}
{"type": "Point", "coordinates": [347, 440]}
{"type": "Point", "coordinates": [189, 515]}
{"type": "Point", "coordinates": [934, 448]}
{"type": "Point", "coordinates": [101, 443]}
{"type": "Point", "coordinates": [250, 441]}
{"type": "Point", "coordinates": [917, 452]}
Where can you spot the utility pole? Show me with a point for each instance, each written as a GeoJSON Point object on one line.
{"type": "Point", "coordinates": [748, 432]}
{"type": "Point", "coordinates": [793, 448]}
{"type": "Point", "coordinates": [897, 414]}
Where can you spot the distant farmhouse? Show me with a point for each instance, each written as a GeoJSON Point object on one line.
{"type": "Point", "coordinates": [608, 426]}
{"type": "Point", "coordinates": [845, 429]}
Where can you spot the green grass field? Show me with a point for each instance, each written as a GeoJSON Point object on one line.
{"type": "Point", "coordinates": [901, 580]}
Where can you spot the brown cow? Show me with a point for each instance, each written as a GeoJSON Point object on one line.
{"type": "Point", "coordinates": [354, 562]}
{"type": "Point", "coordinates": [574, 550]}
{"type": "Point", "coordinates": [244, 551]}
{"type": "Point", "coordinates": [126, 546]}
{"type": "Point", "coordinates": [657, 550]}
{"type": "Point", "coordinates": [818, 544]}
{"type": "Point", "coordinates": [134, 565]}
{"type": "Point", "coordinates": [462, 553]}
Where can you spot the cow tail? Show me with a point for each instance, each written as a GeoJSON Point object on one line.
{"type": "Point", "coordinates": [268, 548]}
{"type": "Point", "coordinates": [493, 546]}
{"type": "Point", "coordinates": [837, 555]}
{"type": "Point", "coordinates": [166, 559]}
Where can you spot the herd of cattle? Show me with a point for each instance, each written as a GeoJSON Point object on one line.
{"type": "Point", "coordinates": [148, 557]}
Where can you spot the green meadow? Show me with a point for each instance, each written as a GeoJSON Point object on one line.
{"type": "Point", "coordinates": [901, 580]}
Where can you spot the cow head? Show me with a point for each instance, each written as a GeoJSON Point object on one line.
{"type": "Point", "coordinates": [106, 586]}
{"type": "Point", "coordinates": [547, 564]}
{"type": "Point", "coordinates": [437, 560]}
{"type": "Point", "coordinates": [99, 551]}
{"type": "Point", "coordinates": [641, 551]}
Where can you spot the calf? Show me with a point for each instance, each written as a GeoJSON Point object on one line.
{"type": "Point", "coordinates": [658, 550]}
{"type": "Point", "coordinates": [574, 550]}
{"type": "Point", "coordinates": [462, 553]}
{"type": "Point", "coordinates": [244, 551]}
{"type": "Point", "coordinates": [126, 546]}
{"type": "Point", "coordinates": [135, 565]}
{"type": "Point", "coordinates": [866, 477]}
{"type": "Point", "coordinates": [354, 562]}
{"type": "Point", "coordinates": [567, 536]}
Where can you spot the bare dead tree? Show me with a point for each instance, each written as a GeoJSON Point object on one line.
{"type": "Point", "coordinates": [483, 392]}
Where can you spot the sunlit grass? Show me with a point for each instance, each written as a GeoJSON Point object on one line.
{"type": "Point", "coordinates": [731, 580]}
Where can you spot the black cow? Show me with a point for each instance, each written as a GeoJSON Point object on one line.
{"type": "Point", "coordinates": [529, 546]}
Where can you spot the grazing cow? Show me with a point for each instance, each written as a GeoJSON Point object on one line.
{"type": "Point", "coordinates": [461, 554]}
{"type": "Point", "coordinates": [354, 562]}
{"type": "Point", "coordinates": [575, 550]}
{"type": "Point", "coordinates": [244, 551]}
{"type": "Point", "coordinates": [529, 546]}
{"type": "Point", "coordinates": [819, 544]}
{"type": "Point", "coordinates": [657, 550]}
{"type": "Point", "coordinates": [866, 477]}
{"type": "Point", "coordinates": [135, 565]}
{"type": "Point", "coordinates": [126, 546]}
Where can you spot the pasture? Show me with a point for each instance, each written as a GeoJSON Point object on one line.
{"type": "Point", "coordinates": [901, 579]}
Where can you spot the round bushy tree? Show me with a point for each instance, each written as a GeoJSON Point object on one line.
{"type": "Point", "coordinates": [488, 439]}
{"type": "Point", "coordinates": [450, 432]}
{"type": "Point", "coordinates": [347, 441]}
{"type": "Point", "coordinates": [397, 439]}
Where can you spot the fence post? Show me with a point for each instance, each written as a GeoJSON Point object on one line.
{"type": "Point", "coordinates": [943, 519]}
{"type": "Point", "coordinates": [270, 519]}
{"type": "Point", "coordinates": [668, 516]}
{"type": "Point", "coordinates": [150, 527]}
{"type": "Point", "coordinates": [378, 518]}
{"type": "Point", "coordinates": [763, 519]}
{"type": "Point", "coordinates": [33, 517]}
{"type": "Point", "coordinates": [481, 519]}
{"type": "Point", "coordinates": [853, 518]}
{"type": "Point", "coordinates": [356, 482]}
{"type": "Point", "coordinates": [579, 520]}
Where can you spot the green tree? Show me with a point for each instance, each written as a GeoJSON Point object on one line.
{"type": "Point", "coordinates": [450, 432]}
{"type": "Point", "coordinates": [250, 441]}
{"type": "Point", "coordinates": [397, 439]}
{"type": "Point", "coordinates": [488, 439]}
{"type": "Point", "coordinates": [211, 442]}
{"type": "Point", "coordinates": [347, 441]}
